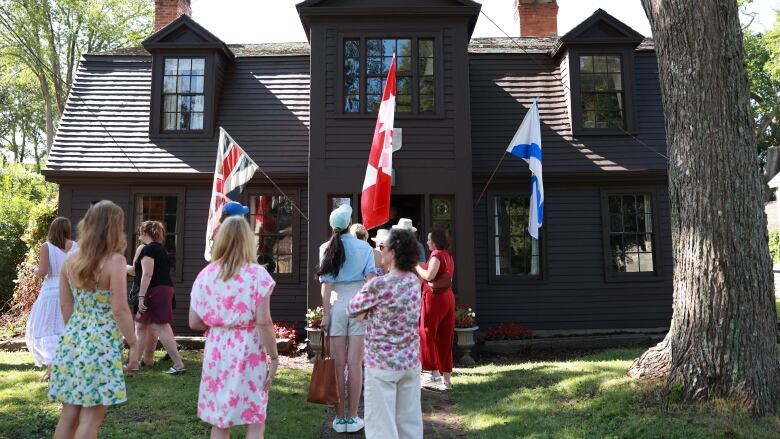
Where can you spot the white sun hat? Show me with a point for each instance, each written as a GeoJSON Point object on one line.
{"type": "Point", "coordinates": [405, 224]}
{"type": "Point", "coordinates": [381, 235]}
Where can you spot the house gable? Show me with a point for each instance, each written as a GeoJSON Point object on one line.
{"type": "Point", "coordinates": [602, 28]}
{"type": "Point", "coordinates": [184, 32]}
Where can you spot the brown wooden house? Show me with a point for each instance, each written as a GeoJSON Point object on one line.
{"type": "Point", "coordinates": [141, 125]}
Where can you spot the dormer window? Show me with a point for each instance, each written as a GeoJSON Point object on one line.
{"type": "Point", "coordinates": [366, 63]}
{"type": "Point", "coordinates": [182, 96]}
{"type": "Point", "coordinates": [603, 101]}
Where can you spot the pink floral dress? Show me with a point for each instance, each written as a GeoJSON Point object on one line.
{"type": "Point", "coordinates": [234, 362]}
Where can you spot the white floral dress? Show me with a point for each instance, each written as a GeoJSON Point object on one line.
{"type": "Point", "coordinates": [234, 361]}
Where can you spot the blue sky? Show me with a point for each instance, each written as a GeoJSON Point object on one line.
{"type": "Point", "coordinates": [256, 21]}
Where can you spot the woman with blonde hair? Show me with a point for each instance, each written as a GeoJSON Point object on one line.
{"type": "Point", "coordinates": [87, 371]}
{"type": "Point", "coordinates": [231, 299]}
{"type": "Point", "coordinates": [155, 295]}
{"type": "Point", "coordinates": [45, 324]}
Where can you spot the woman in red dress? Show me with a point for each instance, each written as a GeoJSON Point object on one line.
{"type": "Point", "coordinates": [437, 323]}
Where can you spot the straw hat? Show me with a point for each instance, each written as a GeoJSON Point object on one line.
{"type": "Point", "coordinates": [406, 224]}
{"type": "Point", "coordinates": [381, 235]}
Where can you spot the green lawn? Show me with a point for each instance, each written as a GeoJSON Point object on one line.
{"type": "Point", "coordinates": [587, 398]}
{"type": "Point", "coordinates": [159, 406]}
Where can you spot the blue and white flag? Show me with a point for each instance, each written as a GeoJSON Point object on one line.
{"type": "Point", "coordinates": [527, 145]}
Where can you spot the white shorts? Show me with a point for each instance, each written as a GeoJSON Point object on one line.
{"type": "Point", "coordinates": [341, 324]}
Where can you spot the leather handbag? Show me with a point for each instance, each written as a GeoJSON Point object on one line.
{"type": "Point", "coordinates": [323, 388]}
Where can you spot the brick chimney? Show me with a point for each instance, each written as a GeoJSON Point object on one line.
{"type": "Point", "coordinates": [165, 11]}
{"type": "Point", "coordinates": [538, 18]}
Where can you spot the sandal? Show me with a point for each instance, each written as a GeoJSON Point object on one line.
{"type": "Point", "coordinates": [174, 371]}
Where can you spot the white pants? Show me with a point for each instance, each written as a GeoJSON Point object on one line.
{"type": "Point", "coordinates": [392, 404]}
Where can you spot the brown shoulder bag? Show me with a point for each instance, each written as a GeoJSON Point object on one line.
{"type": "Point", "coordinates": [323, 388]}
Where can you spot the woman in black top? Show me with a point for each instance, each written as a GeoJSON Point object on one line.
{"type": "Point", "coordinates": [155, 294]}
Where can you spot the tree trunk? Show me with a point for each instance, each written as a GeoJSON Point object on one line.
{"type": "Point", "coordinates": [723, 336]}
{"type": "Point", "coordinates": [49, 112]}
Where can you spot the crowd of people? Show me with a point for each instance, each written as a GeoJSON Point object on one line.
{"type": "Point", "coordinates": [387, 313]}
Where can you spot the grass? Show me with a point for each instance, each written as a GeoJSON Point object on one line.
{"type": "Point", "coordinates": [587, 398]}
{"type": "Point", "coordinates": [159, 405]}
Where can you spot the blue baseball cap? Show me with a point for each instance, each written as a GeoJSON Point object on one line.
{"type": "Point", "coordinates": [235, 208]}
{"type": "Point", "coordinates": [341, 217]}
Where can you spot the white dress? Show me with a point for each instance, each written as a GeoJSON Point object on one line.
{"type": "Point", "coordinates": [45, 324]}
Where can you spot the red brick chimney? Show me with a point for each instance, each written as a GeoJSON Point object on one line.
{"type": "Point", "coordinates": [165, 11]}
{"type": "Point", "coordinates": [538, 18]}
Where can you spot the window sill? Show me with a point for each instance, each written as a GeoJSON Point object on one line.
{"type": "Point", "coordinates": [373, 116]}
{"type": "Point", "coordinates": [634, 277]}
{"type": "Point", "coordinates": [181, 134]}
{"type": "Point", "coordinates": [603, 132]}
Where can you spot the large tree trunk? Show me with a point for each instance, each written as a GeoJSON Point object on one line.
{"type": "Point", "coordinates": [722, 341]}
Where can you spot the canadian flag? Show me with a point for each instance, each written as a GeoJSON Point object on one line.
{"type": "Point", "coordinates": [375, 203]}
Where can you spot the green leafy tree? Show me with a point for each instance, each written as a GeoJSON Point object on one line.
{"type": "Point", "coordinates": [47, 37]}
{"type": "Point", "coordinates": [22, 120]}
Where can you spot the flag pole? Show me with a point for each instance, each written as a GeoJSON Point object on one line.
{"type": "Point", "coordinates": [279, 189]}
{"type": "Point", "coordinates": [490, 179]}
{"type": "Point", "coordinates": [272, 181]}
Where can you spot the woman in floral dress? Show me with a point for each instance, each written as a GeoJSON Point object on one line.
{"type": "Point", "coordinates": [87, 373]}
{"type": "Point", "coordinates": [392, 344]}
{"type": "Point", "coordinates": [231, 299]}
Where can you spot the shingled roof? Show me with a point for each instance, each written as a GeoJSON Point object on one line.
{"type": "Point", "coordinates": [265, 107]}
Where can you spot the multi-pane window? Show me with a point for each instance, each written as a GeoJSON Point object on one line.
{"type": "Point", "coordinates": [271, 217]}
{"type": "Point", "coordinates": [162, 208]}
{"type": "Point", "coordinates": [602, 89]}
{"type": "Point", "coordinates": [367, 62]}
{"type": "Point", "coordinates": [183, 98]}
{"type": "Point", "coordinates": [379, 57]}
{"type": "Point", "coordinates": [516, 252]}
{"type": "Point", "coordinates": [630, 233]}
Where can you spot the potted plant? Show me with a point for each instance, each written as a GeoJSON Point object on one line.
{"type": "Point", "coordinates": [313, 330]}
{"type": "Point", "coordinates": [465, 328]}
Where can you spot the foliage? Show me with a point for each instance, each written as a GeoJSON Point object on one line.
{"type": "Point", "coordinates": [464, 317]}
{"type": "Point", "coordinates": [22, 117]}
{"type": "Point", "coordinates": [508, 331]}
{"type": "Point", "coordinates": [774, 245]}
{"type": "Point", "coordinates": [27, 201]}
{"type": "Point", "coordinates": [762, 57]}
{"type": "Point", "coordinates": [45, 39]}
{"type": "Point", "coordinates": [158, 406]}
{"type": "Point", "coordinates": [314, 317]}
{"type": "Point", "coordinates": [589, 397]}
{"type": "Point", "coordinates": [285, 330]}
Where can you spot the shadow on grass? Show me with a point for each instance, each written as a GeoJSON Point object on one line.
{"type": "Point", "coordinates": [588, 398]}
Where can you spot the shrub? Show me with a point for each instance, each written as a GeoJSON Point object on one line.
{"type": "Point", "coordinates": [774, 245]}
{"type": "Point", "coordinates": [508, 331]}
{"type": "Point", "coordinates": [25, 197]}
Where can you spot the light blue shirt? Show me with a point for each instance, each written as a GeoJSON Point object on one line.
{"type": "Point", "coordinates": [358, 263]}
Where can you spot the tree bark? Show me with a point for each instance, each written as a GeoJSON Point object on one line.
{"type": "Point", "coordinates": [49, 112]}
{"type": "Point", "coordinates": [723, 336]}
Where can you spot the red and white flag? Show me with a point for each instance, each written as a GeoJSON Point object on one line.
{"type": "Point", "coordinates": [375, 203]}
{"type": "Point", "coordinates": [233, 170]}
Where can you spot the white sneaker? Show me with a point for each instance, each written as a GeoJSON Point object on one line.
{"type": "Point", "coordinates": [355, 424]}
{"type": "Point", "coordinates": [340, 425]}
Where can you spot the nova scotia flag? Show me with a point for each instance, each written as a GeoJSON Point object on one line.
{"type": "Point", "coordinates": [527, 145]}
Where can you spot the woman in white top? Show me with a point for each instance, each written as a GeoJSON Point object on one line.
{"type": "Point", "coordinates": [45, 324]}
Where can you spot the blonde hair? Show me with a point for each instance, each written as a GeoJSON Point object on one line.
{"type": "Point", "coordinates": [359, 231]}
{"type": "Point", "coordinates": [59, 232]}
{"type": "Point", "coordinates": [234, 246]}
{"type": "Point", "coordinates": [154, 229]}
{"type": "Point", "coordinates": [101, 234]}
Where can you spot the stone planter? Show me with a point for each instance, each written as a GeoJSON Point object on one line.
{"type": "Point", "coordinates": [466, 343]}
{"type": "Point", "coordinates": [314, 338]}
